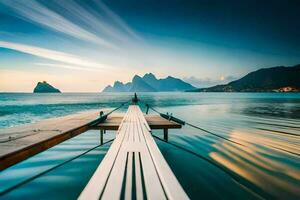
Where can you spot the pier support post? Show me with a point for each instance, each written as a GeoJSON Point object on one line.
{"type": "Point", "coordinates": [166, 134]}
{"type": "Point", "coordinates": [101, 136]}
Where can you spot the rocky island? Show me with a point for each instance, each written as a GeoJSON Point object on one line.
{"type": "Point", "coordinates": [44, 87]}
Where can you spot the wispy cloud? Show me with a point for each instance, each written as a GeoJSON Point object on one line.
{"type": "Point", "coordinates": [57, 65]}
{"type": "Point", "coordinates": [54, 55]}
{"type": "Point", "coordinates": [112, 27]}
{"type": "Point", "coordinates": [35, 12]}
{"type": "Point", "coordinates": [83, 23]}
{"type": "Point", "coordinates": [118, 20]}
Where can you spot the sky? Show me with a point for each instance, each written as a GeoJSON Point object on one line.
{"type": "Point", "coordinates": [84, 45]}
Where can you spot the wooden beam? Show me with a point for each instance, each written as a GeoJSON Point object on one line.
{"type": "Point", "coordinates": [101, 136]}
{"type": "Point", "coordinates": [166, 134]}
{"type": "Point", "coordinates": [154, 121]}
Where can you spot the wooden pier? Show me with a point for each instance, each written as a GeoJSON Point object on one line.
{"type": "Point", "coordinates": [133, 167]}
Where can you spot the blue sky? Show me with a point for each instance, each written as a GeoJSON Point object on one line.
{"type": "Point", "coordinates": [86, 45]}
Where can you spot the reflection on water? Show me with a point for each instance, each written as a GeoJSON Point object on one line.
{"type": "Point", "coordinates": [264, 163]}
{"type": "Point", "coordinates": [261, 162]}
{"type": "Point", "coordinates": [267, 162]}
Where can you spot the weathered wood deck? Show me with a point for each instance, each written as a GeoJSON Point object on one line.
{"type": "Point", "coordinates": [21, 142]}
{"type": "Point", "coordinates": [133, 167]}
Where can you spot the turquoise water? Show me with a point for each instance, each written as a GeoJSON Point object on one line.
{"type": "Point", "coordinates": [264, 164]}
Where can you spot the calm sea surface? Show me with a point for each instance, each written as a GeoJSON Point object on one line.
{"type": "Point", "coordinates": [261, 160]}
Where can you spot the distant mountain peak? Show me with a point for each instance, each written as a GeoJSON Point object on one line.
{"type": "Point", "coordinates": [116, 83]}
{"type": "Point", "coordinates": [171, 77]}
{"type": "Point", "coordinates": [136, 77]}
{"type": "Point", "coordinates": [149, 83]}
{"type": "Point", "coordinates": [149, 75]}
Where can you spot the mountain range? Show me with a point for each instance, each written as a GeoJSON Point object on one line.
{"type": "Point", "coordinates": [149, 83]}
{"type": "Point", "coordinates": [274, 79]}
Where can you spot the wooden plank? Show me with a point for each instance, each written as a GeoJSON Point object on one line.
{"type": "Point", "coordinates": [101, 175]}
{"type": "Point", "coordinates": [157, 122]}
{"type": "Point", "coordinates": [172, 187]}
{"type": "Point", "coordinates": [21, 142]}
{"type": "Point", "coordinates": [114, 183]}
{"type": "Point", "coordinates": [138, 177]}
{"type": "Point", "coordinates": [111, 123]}
{"type": "Point", "coordinates": [129, 174]}
{"type": "Point", "coordinates": [153, 187]}
{"type": "Point", "coordinates": [123, 174]}
{"type": "Point", "coordinates": [154, 121]}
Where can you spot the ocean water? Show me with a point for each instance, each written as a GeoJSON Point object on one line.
{"type": "Point", "coordinates": [259, 159]}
